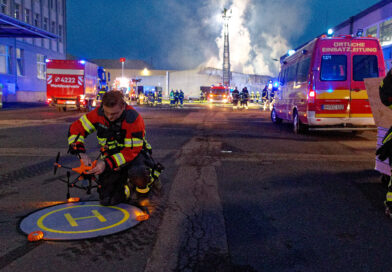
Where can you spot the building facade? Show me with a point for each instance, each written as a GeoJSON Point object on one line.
{"type": "Point", "coordinates": [375, 21]}
{"type": "Point", "coordinates": [31, 31]}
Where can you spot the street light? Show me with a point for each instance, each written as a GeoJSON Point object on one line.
{"type": "Point", "coordinates": [122, 60]}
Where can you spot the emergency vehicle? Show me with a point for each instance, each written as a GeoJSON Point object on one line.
{"type": "Point", "coordinates": [322, 85]}
{"type": "Point", "coordinates": [218, 94]}
{"type": "Point", "coordinates": [73, 84]}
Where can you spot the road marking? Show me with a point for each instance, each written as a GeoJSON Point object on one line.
{"type": "Point", "coordinates": [194, 215]}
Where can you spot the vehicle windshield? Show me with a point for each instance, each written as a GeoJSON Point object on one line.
{"type": "Point", "coordinates": [364, 66]}
{"type": "Point", "coordinates": [333, 68]}
{"type": "Point", "coordinates": [218, 91]}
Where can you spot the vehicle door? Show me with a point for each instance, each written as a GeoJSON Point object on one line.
{"type": "Point", "coordinates": [367, 62]}
{"type": "Point", "coordinates": [333, 84]}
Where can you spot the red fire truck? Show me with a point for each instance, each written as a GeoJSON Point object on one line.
{"type": "Point", "coordinates": [218, 94]}
{"type": "Point", "coordinates": [71, 84]}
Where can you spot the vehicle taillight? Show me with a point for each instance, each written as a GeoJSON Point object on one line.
{"type": "Point", "coordinates": [49, 100]}
{"type": "Point", "coordinates": [311, 96]}
{"type": "Point", "coordinates": [210, 95]}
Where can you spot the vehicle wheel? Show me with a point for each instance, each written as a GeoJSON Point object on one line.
{"type": "Point", "coordinates": [297, 126]}
{"type": "Point", "coordinates": [274, 118]}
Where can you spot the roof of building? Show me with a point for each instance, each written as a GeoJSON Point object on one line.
{"type": "Point", "coordinates": [363, 13]}
{"type": "Point", "coordinates": [11, 27]}
{"type": "Point", "coordinates": [116, 64]}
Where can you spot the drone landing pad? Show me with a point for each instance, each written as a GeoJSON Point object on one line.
{"type": "Point", "coordinates": [80, 220]}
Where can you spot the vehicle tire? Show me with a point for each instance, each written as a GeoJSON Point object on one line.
{"type": "Point", "coordinates": [274, 118]}
{"type": "Point", "coordinates": [298, 127]}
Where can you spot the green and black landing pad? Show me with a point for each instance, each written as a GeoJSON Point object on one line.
{"type": "Point", "coordinates": [80, 220]}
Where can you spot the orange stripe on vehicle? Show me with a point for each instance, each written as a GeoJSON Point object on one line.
{"type": "Point", "coordinates": [362, 94]}
{"type": "Point", "coordinates": [336, 94]}
{"type": "Point", "coordinates": [321, 115]}
{"type": "Point", "coordinates": [361, 115]}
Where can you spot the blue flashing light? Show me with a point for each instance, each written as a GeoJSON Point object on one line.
{"type": "Point", "coordinates": [330, 32]}
{"type": "Point", "coordinates": [82, 61]}
{"type": "Point", "coordinates": [276, 84]}
{"type": "Point", "coordinates": [330, 91]}
{"type": "Point", "coordinates": [291, 52]}
{"type": "Point", "coordinates": [48, 60]}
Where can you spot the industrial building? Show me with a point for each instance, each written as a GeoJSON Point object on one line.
{"type": "Point", "coordinates": [374, 21]}
{"type": "Point", "coordinates": [30, 32]}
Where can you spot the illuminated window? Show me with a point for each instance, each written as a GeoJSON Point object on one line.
{"type": "Point", "coordinates": [36, 20]}
{"type": "Point", "coordinates": [386, 32]}
{"type": "Point", "coordinates": [372, 31]}
{"type": "Point", "coordinates": [46, 23]}
{"type": "Point", "coordinates": [41, 67]}
{"type": "Point", "coordinates": [4, 6]}
{"type": "Point", "coordinates": [5, 60]}
{"type": "Point", "coordinates": [17, 11]}
{"type": "Point", "coordinates": [27, 16]}
{"type": "Point", "coordinates": [19, 62]}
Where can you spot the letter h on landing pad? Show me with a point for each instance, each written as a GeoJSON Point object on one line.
{"type": "Point", "coordinates": [73, 223]}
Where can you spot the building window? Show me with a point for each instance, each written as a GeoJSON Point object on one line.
{"type": "Point", "coordinates": [53, 27]}
{"type": "Point", "coordinates": [41, 67]}
{"type": "Point", "coordinates": [372, 31]}
{"type": "Point", "coordinates": [4, 6]}
{"type": "Point", "coordinates": [51, 4]}
{"type": "Point", "coordinates": [386, 32]}
{"type": "Point", "coordinates": [36, 20]}
{"type": "Point", "coordinates": [46, 23]}
{"type": "Point", "coordinates": [60, 33]}
{"type": "Point", "coordinates": [59, 6]}
{"type": "Point", "coordinates": [5, 60]}
{"type": "Point", "coordinates": [27, 16]}
{"type": "Point", "coordinates": [17, 11]}
{"type": "Point", "coordinates": [19, 62]}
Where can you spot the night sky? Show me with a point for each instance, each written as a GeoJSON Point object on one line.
{"type": "Point", "coordinates": [178, 34]}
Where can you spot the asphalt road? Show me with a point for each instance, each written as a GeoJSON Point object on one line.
{"type": "Point", "coordinates": [240, 194]}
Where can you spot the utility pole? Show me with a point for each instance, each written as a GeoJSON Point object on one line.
{"type": "Point", "coordinates": [226, 74]}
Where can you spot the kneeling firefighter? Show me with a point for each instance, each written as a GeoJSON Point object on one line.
{"type": "Point", "coordinates": [385, 150]}
{"type": "Point", "coordinates": [126, 160]}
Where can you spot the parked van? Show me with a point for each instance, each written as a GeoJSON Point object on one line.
{"type": "Point", "coordinates": [322, 85]}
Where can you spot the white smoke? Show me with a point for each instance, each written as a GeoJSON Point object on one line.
{"type": "Point", "coordinates": [258, 34]}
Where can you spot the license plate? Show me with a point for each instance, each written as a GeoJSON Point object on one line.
{"type": "Point", "coordinates": [333, 107]}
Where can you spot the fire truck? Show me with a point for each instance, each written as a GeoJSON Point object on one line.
{"type": "Point", "coordinates": [218, 94]}
{"type": "Point", "coordinates": [74, 84]}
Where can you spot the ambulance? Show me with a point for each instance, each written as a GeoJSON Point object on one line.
{"type": "Point", "coordinates": [322, 84]}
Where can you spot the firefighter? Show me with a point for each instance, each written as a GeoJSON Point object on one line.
{"type": "Point", "coordinates": [257, 97]}
{"type": "Point", "coordinates": [176, 96]}
{"type": "Point", "coordinates": [159, 98]}
{"type": "Point", "coordinates": [126, 155]}
{"type": "Point", "coordinates": [236, 96]}
{"type": "Point", "coordinates": [385, 150]}
{"type": "Point", "coordinates": [252, 96]}
{"type": "Point", "coordinates": [201, 96]}
{"type": "Point", "coordinates": [244, 98]}
{"type": "Point", "coordinates": [181, 98]}
{"type": "Point", "coordinates": [171, 98]}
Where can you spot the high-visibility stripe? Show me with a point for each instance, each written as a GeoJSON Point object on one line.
{"type": "Point", "coordinates": [87, 125]}
{"type": "Point", "coordinates": [389, 196]}
{"type": "Point", "coordinates": [101, 141]}
{"type": "Point", "coordinates": [362, 94]}
{"type": "Point", "coordinates": [119, 158]}
{"type": "Point", "coordinates": [321, 115]}
{"type": "Point", "coordinates": [387, 138]}
{"type": "Point", "coordinates": [143, 191]}
{"type": "Point", "coordinates": [148, 146]}
{"type": "Point", "coordinates": [71, 139]}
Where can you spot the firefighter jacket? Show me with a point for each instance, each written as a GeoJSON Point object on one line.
{"type": "Point", "coordinates": [122, 139]}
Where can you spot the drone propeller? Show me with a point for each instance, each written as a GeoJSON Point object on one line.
{"type": "Point", "coordinates": [56, 165]}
